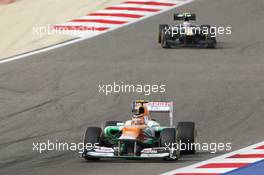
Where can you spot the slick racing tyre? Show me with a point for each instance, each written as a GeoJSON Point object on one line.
{"type": "Point", "coordinates": [211, 36]}
{"type": "Point", "coordinates": [164, 39]}
{"type": "Point", "coordinates": [92, 136]}
{"type": "Point", "coordinates": [161, 27]}
{"type": "Point", "coordinates": [208, 29]}
{"type": "Point", "coordinates": [187, 133]}
{"type": "Point", "coordinates": [168, 138]}
{"type": "Point", "coordinates": [212, 45]}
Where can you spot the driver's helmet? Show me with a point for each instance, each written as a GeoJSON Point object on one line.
{"type": "Point", "coordinates": [139, 115]}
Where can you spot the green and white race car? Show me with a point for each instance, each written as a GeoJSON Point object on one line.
{"type": "Point", "coordinates": [141, 137]}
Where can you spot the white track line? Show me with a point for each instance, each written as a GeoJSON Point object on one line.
{"type": "Point", "coordinates": [89, 24]}
{"type": "Point", "coordinates": [126, 12]}
{"type": "Point", "coordinates": [108, 18]}
{"type": "Point", "coordinates": [141, 6]}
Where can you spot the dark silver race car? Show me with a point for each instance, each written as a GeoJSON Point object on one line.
{"type": "Point", "coordinates": [186, 34]}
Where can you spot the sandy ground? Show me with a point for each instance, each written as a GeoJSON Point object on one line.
{"type": "Point", "coordinates": [19, 18]}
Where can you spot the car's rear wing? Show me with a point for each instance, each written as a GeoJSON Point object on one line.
{"type": "Point", "coordinates": [185, 16]}
{"type": "Point", "coordinates": [156, 107]}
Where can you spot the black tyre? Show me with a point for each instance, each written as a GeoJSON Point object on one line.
{"type": "Point", "coordinates": [161, 27]}
{"type": "Point", "coordinates": [168, 138]}
{"type": "Point", "coordinates": [211, 36]}
{"type": "Point", "coordinates": [187, 134]}
{"type": "Point", "coordinates": [208, 29]}
{"type": "Point", "coordinates": [111, 123]}
{"type": "Point", "coordinates": [92, 136]}
{"type": "Point", "coordinates": [212, 45]}
{"type": "Point", "coordinates": [164, 39]}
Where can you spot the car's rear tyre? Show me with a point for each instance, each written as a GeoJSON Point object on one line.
{"type": "Point", "coordinates": [168, 139]}
{"type": "Point", "coordinates": [92, 137]}
{"type": "Point", "coordinates": [111, 123]}
{"type": "Point", "coordinates": [161, 27]}
{"type": "Point", "coordinates": [213, 44]}
{"type": "Point", "coordinates": [187, 134]}
{"type": "Point", "coordinates": [211, 36]}
{"type": "Point", "coordinates": [164, 40]}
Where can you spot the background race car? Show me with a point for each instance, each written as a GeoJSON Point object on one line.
{"type": "Point", "coordinates": [186, 33]}
{"type": "Point", "coordinates": [150, 140]}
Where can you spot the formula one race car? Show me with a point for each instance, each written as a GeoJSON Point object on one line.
{"type": "Point", "coordinates": [186, 34]}
{"type": "Point", "coordinates": [141, 137]}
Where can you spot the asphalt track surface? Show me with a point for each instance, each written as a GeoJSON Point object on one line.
{"type": "Point", "coordinates": [54, 95]}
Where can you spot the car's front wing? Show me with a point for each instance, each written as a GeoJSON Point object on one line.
{"type": "Point", "coordinates": [106, 152]}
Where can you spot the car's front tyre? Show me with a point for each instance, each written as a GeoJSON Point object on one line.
{"type": "Point", "coordinates": [169, 139]}
{"type": "Point", "coordinates": [92, 137]}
